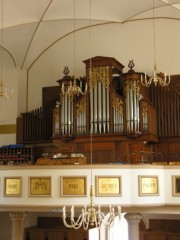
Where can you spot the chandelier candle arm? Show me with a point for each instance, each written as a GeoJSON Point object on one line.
{"type": "Point", "coordinates": [155, 79]}
{"type": "Point", "coordinates": [91, 217]}
{"type": "Point", "coordinates": [71, 89]}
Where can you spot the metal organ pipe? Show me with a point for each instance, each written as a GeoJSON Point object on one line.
{"type": "Point", "coordinates": [69, 117]}
{"type": "Point", "coordinates": [144, 115]}
{"type": "Point", "coordinates": [138, 113]}
{"type": "Point", "coordinates": [127, 113]}
{"type": "Point", "coordinates": [118, 121]}
{"type": "Point", "coordinates": [117, 104]}
{"type": "Point", "coordinates": [107, 107]}
{"type": "Point", "coordinates": [100, 107]}
{"type": "Point", "coordinates": [78, 123]}
{"type": "Point", "coordinates": [131, 109]}
{"type": "Point", "coordinates": [66, 116]}
{"type": "Point", "coordinates": [134, 112]}
{"type": "Point", "coordinates": [62, 116]}
{"type": "Point", "coordinates": [92, 110]}
{"type": "Point", "coordinates": [132, 105]}
{"type": "Point", "coordinates": [95, 120]}
{"type": "Point", "coordinates": [104, 114]}
{"type": "Point", "coordinates": [99, 98]}
{"type": "Point", "coordinates": [84, 122]}
{"type": "Point", "coordinates": [81, 116]}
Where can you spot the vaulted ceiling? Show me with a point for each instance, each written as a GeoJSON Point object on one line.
{"type": "Point", "coordinates": [31, 27]}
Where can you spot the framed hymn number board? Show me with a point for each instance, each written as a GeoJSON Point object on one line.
{"type": "Point", "coordinates": [12, 186]}
{"type": "Point", "coordinates": [40, 186]}
{"type": "Point", "coordinates": [73, 186]}
{"type": "Point", "coordinates": [176, 185]}
{"type": "Point", "coordinates": [148, 185]}
{"type": "Point", "coordinates": [108, 186]}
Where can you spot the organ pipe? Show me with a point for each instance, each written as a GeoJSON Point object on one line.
{"type": "Point", "coordinates": [95, 120]}
{"type": "Point", "coordinates": [100, 106]}
{"type": "Point", "coordinates": [132, 97]}
{"type": "Point", "coordinates": [104, 115]}
{"type": "Point", "coordinates": [99, 99]}
{"type": "Point", "coordinates": [144, 116]}
{"type": "Point", "coordinates": [62, 117]}
{"type": "Point", "coordinates": [117, 104]}
{"type": "Point", "coordinates": [66, 116]}
{"type": "Point", "coordinates": [81, 116]}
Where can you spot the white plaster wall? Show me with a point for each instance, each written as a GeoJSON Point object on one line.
{"type": "Point", "coordinates": [6, 139]}
{"type": "Point", "coordinates": [8, 108]}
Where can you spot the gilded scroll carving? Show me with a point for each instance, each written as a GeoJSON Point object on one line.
{"type": "Point", "coordinates": [132, 85]}
{"type": "Point", "coordinates": [81, 106]}
{"type": "Point", "coordinates": [144, 108]}
{"type": "Point", "coordinates": [117, 103]}
{"type": "Point", "coordinates": [99, 74]}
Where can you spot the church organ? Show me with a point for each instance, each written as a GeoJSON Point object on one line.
{"type": "Point", "coordinates": [103, 110]}
{"type": "Point", "coordinates": [125, 118]}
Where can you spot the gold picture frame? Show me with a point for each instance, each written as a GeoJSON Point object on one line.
{"type": "Point", "coordinates": [73, 186]}
{"type": "Point", "coordinates": [148, 185]}
{"type": "Point", "coordinates": [176, 185]}
{"type": "Point", "coordinates": [12, 186]}
{"type": "Point", "coordinates": [40, 186]}
{"type": "Point", "coordinates": [108, 186]}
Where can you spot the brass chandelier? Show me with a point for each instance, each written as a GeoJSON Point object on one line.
{"type": "Point", "coordinates": [160, 79]}
{"type": "Point", "coordinates": [91, 217]}
{"type": "Point", "coordinates": [71, 88]}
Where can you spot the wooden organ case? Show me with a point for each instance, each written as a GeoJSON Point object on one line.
{"type": "Point", "coordinates": [116, 110]}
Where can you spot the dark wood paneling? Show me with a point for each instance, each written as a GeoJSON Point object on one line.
{"type": "Point", "coordinates": [157, 236]}
{"type": "Point", "coordinates": [50, 95]}
{"type": "Point", "coordinates": [162, 229]}
{"type": "Point", "coordinates": [167, 103]}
